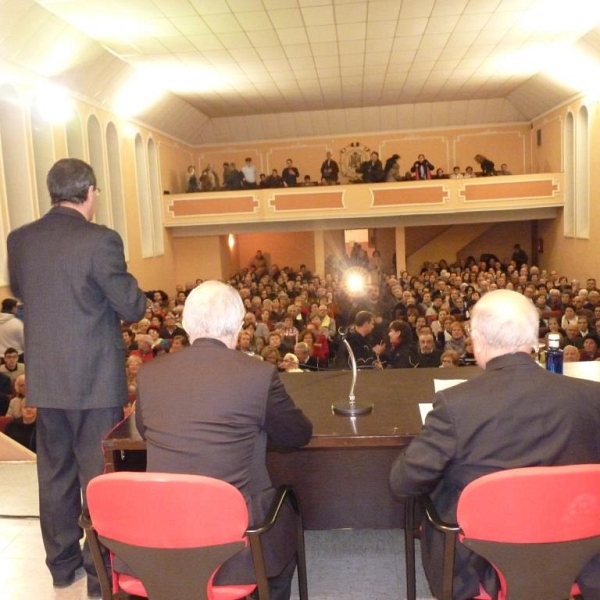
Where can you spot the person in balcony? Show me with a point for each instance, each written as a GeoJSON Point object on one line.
{"type": "Point", "coordinates": [422, 168]}
{"type": "Point", "coordinates": [371, 170]}
{"type": "Point", "coordinates": [487, 166]}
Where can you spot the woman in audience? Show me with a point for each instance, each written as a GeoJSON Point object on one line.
{"type": "Point", "coordinates": [589, 350]}
{"type": "Point", "coordinates": [142, 326]}
{"type": "Point", "coordinates": [569, 317]}
{"type": "Point", "coordinates": [553, 327]}
{"type": "Point", "coordinates": [457, 341]}
{"type": "Point", "coordinates": [449, 358]}
{"type": "Point", "coordinates": [321, 345]}
{"type": "Point", "coordinates": [245, 342]}
{"type": "Point", "coordinates": [144, 343]}
{"type": "Point", "coordinates": [180, 342]}
{"type": "Point", "coordinates": [401, 347]}
{"type": "Point", "coordinates": [132, 366]}
{"type": "Point", "coordinates": [157, 341]}
{"type": "Point", "coordinates": [270, 354]}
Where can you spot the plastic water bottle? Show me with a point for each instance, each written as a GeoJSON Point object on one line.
{"type": "Point", "coordinates": [554, 355]}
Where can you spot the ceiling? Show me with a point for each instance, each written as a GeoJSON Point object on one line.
{"type": "Point", "coordinates": [240, 70]}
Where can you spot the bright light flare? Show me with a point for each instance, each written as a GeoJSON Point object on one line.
{"type": "Point", "coordinates": [137, 94]}
{"type": "Point", "coordinates": [182, 78]}
{"type": "Point", "coordinates": [356, 281]}
{"type": "Point", "coordinates": [567, 65]}
{"type": "Point", "coordinates": [557, 17]}
{"type": "Point", "coordinates": [53, 104]}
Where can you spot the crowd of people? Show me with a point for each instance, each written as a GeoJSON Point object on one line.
{"type": "Point", "coordinates": [297, 320]}
{"type": "Point", "coordinates": [368, 171]}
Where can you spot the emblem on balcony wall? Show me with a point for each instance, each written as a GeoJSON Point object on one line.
{"type": "Point", "coordinates": [351, 158]}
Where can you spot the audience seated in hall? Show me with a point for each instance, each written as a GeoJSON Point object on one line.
{"type": "Point", "coordinates": [296, 311]}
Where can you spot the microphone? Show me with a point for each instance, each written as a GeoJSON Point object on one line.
{"type": "Point", "coordinates": [351, 408]}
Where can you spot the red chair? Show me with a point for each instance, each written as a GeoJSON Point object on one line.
{"type": "Point", "coordinates": [174, 531]}
{"type": "Point", "coordinates": [538, 527]}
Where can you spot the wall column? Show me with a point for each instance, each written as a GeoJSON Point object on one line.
{"type": "Point", "coordinates": [319, 244]}
{"type": "Point", "coordinates": [400, 250]}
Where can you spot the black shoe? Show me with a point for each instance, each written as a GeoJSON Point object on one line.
{"type": "Point", "coordinates": [64, 582]}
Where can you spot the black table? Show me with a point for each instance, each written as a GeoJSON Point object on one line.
{"type": "Point", "coordinates": [342, 475]}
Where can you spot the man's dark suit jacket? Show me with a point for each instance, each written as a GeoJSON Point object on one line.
{"type": "Point", "coordinates": [72, 277]}
{"type": "Point", "coordinates": [515, 415]}
{"type": "Point", "coordinates": [208, 410]}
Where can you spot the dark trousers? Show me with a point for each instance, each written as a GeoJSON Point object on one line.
{"type": "Point", "coordinates": [68, 455]}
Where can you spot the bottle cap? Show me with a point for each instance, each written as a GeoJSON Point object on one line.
{"type": "Point", "coordinates": [553, 340]}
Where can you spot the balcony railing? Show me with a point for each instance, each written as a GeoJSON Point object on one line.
{"type": "Point", "coordinates": [407, 202]}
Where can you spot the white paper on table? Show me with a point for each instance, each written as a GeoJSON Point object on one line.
{"type": "Point", "coordinates": [444, 384]}
{"type": "Point", "coordinates": [424, 408]}
{"type": "Point", "coordinates": [438, 385]}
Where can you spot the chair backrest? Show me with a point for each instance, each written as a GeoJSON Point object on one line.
{"type": "Point", "coordinates": [538, 527]}
{"type": "Point", "coordinates": [165, 510]}
{"type": "Point", "coordinates": [533, 505]}
{"type": "Point", "coordinates": [172, 530]}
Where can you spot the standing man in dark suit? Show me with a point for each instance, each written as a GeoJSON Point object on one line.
{"type": "Point", "coordinates": [515, 415]}
{"type": "Point", "coordinates": [222, 407]}
{"type": "Point", "coordinates": [72, 277]}
{"type": "Point", "coordinates": [330, 170]}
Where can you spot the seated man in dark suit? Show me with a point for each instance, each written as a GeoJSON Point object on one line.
{"type": "Point", "coordinates": [223, 407]}
{"type": "Point", "coordinates": [514, 415]}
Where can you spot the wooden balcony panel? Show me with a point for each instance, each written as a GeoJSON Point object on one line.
{"type": "Point", "coordinates": [221, 204]}
{"type": "Point", "coordinates": [501, 189]}
{"type": "Point", "coordinates": [410, 196]}
{"type": "Point", "coordinates": [307, 199]}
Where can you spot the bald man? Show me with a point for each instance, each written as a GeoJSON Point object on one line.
{"type": "Point", "coordinates": [571, 353]}
{"type": "Point", "coordinates": [515, 415]}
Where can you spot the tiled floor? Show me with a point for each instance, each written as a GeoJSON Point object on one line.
{"type": "Point", "coordinates": [23, 572]}
{"type": "Point", "coordinates": [342, 564]}
{"type": "Point", "coordinates": [354, 565]}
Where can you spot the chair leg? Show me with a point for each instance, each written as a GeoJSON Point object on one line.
{"type": "Point", "coordinates": [448, 576]}
{"type": "Point", "coordinates": [301, 559]}
{"type": "Point", "coordinates": [94, 544]}
{"type": "Point", "coordinates": [409, 548]}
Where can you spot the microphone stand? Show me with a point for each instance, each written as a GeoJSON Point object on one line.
{"type": "Point", "coordinates": [351, 408]}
